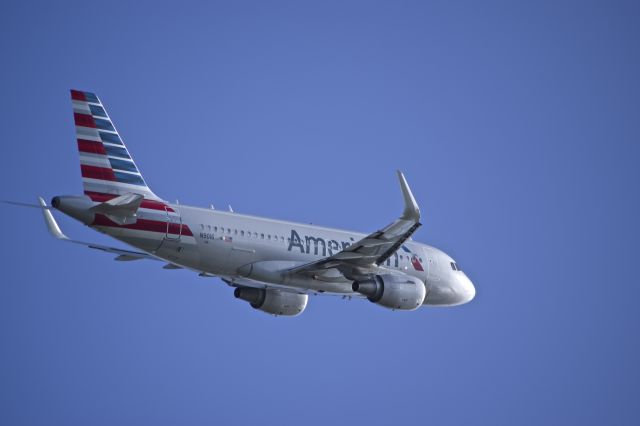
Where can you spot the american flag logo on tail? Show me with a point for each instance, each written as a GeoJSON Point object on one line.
{"type": "Point", "coordinates": [105, 162]}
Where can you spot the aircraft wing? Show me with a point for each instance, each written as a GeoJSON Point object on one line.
{"type": "Point", "coordinates": [366, 255]}
{"type": "Point", "coordinates": [234, 281]}
{"type": "Point", "coordinates": [54, 230]}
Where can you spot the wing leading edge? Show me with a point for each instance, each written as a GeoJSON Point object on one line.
{"type": "Point", "coordinates": [366, 255]}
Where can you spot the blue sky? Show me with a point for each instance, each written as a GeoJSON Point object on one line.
{"type": "Point", "coordinates": [516, 124]}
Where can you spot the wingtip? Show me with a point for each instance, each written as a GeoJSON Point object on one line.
{"type": "Point", "coordinates": [411, 209]}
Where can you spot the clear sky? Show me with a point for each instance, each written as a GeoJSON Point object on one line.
{"type": "Point", "coordinates": [517, 125]}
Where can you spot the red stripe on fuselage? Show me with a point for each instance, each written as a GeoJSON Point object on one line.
{"type": "Point", "coordinates": [94, 172]}
{"type": "Point", "coordinates": [84, 120]}
{"type": "Point", "coordinates": [145, 225]}
{"type": "Point", "coordinates": [146, 204]}
{"type": "Point", "coordinates": [78, 96]}
{"type": "Point", "coordinates": [91, 147]}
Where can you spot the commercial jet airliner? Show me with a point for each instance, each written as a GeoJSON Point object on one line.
{"type": "Point", "coordinates": [273, 265]}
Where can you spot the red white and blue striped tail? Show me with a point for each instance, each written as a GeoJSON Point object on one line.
{"type": "Point", "coordinates": [106, 165]}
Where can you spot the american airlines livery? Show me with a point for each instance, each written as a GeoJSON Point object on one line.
{"type": "Point", "coordinates": [273, 265]}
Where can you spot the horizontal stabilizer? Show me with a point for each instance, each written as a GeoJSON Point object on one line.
{"type": "Point", "coordinates": [54, 229]}
{"type": "Point", "coordinates": [17, 203]}
{"type": "Point", "coordinates": [122, 209]}
{"type": "Point", "coordinates": [52, 225]}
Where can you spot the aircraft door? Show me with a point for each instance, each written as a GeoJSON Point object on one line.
{"type": "Point", "coordinates": [173, 230]}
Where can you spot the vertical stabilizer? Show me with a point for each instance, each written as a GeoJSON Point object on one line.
{"type": "Point", "coordinates": [106, 165]}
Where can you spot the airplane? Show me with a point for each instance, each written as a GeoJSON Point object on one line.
{"type": "Point", "coordinates": [274, 265]}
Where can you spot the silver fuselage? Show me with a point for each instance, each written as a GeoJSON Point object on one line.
{"type": "Point", "coordinates": [223, 244]}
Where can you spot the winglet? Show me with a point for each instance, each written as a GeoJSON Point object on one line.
{"type": "Point", "coordinates": [411, 209]}
{"type": "Point", "coordinates": [52, 225]}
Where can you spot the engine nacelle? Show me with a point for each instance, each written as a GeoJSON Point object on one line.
{"type": "Point", "coordinates": [393, 291]}
{"type": "Point", "coordinates": [272, 301]}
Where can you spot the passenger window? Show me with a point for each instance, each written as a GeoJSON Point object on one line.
{"type": "Point", "coordinates": [262, 236]}
{"type": "Point", "coordinates": [242, 233]}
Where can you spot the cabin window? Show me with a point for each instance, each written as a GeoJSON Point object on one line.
{"type": "Point", "coordinates": [242, 233]}
{"type": "Point", "coordinates": [262, 236]}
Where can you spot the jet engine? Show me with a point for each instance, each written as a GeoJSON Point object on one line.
{"type": "Point", "coordinates": [272, 301]}
{"type": "Point", "coordinates": [393, 291]}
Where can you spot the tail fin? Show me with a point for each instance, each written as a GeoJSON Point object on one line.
{"type": "Point", "coordinates": [106, 165]}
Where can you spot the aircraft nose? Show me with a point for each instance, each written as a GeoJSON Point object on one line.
{"type": "Point", "coordinates": [464, 289]}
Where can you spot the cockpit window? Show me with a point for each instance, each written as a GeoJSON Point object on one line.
{"type": "Point", "coordinates": [455, 266]}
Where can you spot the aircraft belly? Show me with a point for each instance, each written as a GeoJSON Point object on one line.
{"type": "Point", "coordinates": [180, 252]}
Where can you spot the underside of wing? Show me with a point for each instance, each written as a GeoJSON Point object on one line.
{"type": "Point", "coordinates": [247, 282]}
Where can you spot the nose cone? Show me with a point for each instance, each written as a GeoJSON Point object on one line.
{"type": "Point", "coordinates": [464, 289]}
{"type": "Point", "coordinates": [456, 289]}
